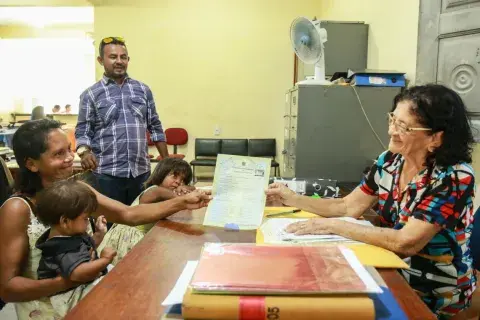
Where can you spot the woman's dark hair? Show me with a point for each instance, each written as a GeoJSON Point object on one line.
{"type": "Point", "coordinates": [67, 198]}
{"type": "Point", "coordinates": [170, 165]}
{"type": "Point", "coordinates": [30, 141]}
{"type": "Point", "coordinates": [442, 109]}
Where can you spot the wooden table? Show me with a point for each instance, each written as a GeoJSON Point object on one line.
{"type": "Point", "coordinates": [136, 287]}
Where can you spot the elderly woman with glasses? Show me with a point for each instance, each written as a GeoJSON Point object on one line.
{"type": "Point", "coordinates": [423, 189]}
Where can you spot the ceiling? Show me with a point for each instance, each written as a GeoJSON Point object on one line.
{"type": "Point", "coordinates": [41, 13]}
{"type": "Point", "coordinates": [46, 16]}
{"type": "Point", "coordinates": [45, 3]}
{"type": "Point", "coordinates": [80, 3]}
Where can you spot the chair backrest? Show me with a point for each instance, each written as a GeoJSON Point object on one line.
{"type": "Point", "coordinates": [38, 113]}
{"type": "Point", "coordinates": [6, 181]}
{"type": "Point", "coordinates": [207, 147]}
{"type": "Point", "coordinates": [475, 240]}
{"type": "Point", "coordinates": [176, 136]}
{"type": "Point", "coordinates": [262, 148]}
{"type": "Point", "coordinates": [238, 147]}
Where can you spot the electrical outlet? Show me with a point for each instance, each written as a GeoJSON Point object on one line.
{"type": "Point", "coordinates": [217, 130]}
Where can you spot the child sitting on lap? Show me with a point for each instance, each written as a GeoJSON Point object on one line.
{"type": "Point", "coordinates": [66, 247]}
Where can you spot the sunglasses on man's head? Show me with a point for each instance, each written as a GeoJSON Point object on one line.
{"type": "Point", "coordinates": [111, 39]}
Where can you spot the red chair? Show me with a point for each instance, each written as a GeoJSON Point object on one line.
{"type": "Point", "coordinates": [176, 137]}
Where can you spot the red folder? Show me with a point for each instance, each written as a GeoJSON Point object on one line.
{"type": "Point", "coordinates": [270, 270]}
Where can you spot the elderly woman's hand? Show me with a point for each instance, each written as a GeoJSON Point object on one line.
{"type": "Point", "coordinates": [279, 192]}
{"type": "Point", "coordinates": [313, 226]}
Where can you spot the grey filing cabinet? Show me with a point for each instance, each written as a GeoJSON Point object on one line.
{"type": "Point", "coordinates": [326, 134]}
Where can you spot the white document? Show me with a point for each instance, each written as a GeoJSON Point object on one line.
{"type": "Point", "coordinates": [176, 295]}
{"type": "Point", "coordinates": [370, 283]}
{"type": "Point", "coordinates": [274, 231]}
{"type": "Point", "coordinates": [238, 192]}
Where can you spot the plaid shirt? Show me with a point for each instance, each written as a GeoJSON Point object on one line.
{"type": "Point", "coordinates": [113, 121]}
{"type": "Point", "coordinates": [442, 271]}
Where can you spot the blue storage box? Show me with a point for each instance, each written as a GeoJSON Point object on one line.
{"type": "Point", "coordinates": [377, 78]}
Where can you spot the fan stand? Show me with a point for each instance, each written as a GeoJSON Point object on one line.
{"type": "Point", "coordinates": [319, 74]}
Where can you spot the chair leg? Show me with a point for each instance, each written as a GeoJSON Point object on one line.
{"type": "Point", "coordinates": [194, 177]}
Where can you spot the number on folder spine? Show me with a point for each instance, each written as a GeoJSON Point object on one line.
{"type": "Point", "coordinates": [273, 313]}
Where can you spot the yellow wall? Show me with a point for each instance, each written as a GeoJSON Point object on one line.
{"type": "Point", "coordinates": [212, 62]}
{"type": "Point", "coordinates": [392, 38]}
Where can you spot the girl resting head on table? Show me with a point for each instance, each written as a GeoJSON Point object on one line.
{"type": "Point", "coordinates": [423, 186]}
{"type": "Point", "coordinates": [44, 156]}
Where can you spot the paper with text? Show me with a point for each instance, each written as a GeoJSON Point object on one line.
{"type": "Point", "coordinates": [238, 192]}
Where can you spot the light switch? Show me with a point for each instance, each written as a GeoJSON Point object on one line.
{"type": "Point", "coordinates": [217, 130]}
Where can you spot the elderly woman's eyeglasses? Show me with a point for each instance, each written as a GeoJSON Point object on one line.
{"type": "Point", "coordinates": [400, 127]}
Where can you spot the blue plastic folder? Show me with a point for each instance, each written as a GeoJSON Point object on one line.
{"type": "Point", "coordinates": [378, 78]}
{"type": "Point", "coordinates": [386, 307]}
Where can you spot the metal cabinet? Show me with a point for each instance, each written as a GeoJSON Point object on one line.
{"type": "Point", "coordinates": [326, 133]}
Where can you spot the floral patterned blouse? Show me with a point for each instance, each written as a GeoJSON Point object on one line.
{"type": "Point", "coordinates": [442, 271]}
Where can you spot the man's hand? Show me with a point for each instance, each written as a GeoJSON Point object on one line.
{"type": "Point", "coordinates": [108, 253]}
{"type": "Point", "coordinates": [196, 199]}
{"type": "Point", "coordinates": [88, 160]}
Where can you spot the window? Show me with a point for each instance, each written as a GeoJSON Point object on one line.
{"type": "Point", "coordinates": [45, 71]}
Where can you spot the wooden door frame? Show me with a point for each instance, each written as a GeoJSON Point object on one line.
{"type": "Point", "coordinates": [427, 44]}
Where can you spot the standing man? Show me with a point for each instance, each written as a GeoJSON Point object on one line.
{"type": "Point", "coordinates": [114, 115]}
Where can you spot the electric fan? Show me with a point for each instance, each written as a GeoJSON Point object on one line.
{"type": "Point", "coordinates": [308, 42]}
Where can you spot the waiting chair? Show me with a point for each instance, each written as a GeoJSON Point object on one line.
{"type": "Point", "coordinates": [176, 137]}
{"type": "Point", "coordinates": [38, 113]}
{"type": "Point", "coordinates": [237, 147]}
{"type": "Point", "coordinates": [264, 148]}
{"type": "Point", "coordinates": [206, 151]}
{"type": "Point", "coordinates": [474, 310]}
{"type": "Point", "coordinates": [6, 181]}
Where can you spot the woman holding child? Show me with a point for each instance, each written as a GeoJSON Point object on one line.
{"type": "Point", "coordinates": [423, 187]}
{"type": "Point", "coordinates": [44, 157]}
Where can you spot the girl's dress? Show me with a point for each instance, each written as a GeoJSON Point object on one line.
{"type": "Point", "coordinates": [123, 238]}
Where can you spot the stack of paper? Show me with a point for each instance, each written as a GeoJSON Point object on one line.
{"type": "Point", "coordinates": [237, 281]}
{"type": "Point", "coordinates": [207, 306]}
{"type": "Point", "coordinates": [274, 232]}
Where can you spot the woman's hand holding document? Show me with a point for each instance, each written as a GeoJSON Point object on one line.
{"type": "Point", "coordinates": [238, 192]}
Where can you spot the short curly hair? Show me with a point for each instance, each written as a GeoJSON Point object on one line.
{"type": "Point", "coordinates": [442, 109]}
{"type": "Point", "coordinates": [68, 198]}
